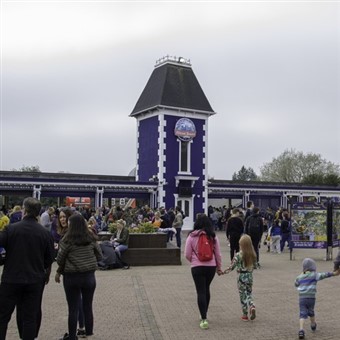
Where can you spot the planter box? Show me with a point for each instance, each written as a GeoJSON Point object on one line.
{"type": "Point", "coordinates": [153, 256]}
{"type": "Point", "coordinates": [147, 240]}
{"type": "Point", "coordinates": [148, 250]}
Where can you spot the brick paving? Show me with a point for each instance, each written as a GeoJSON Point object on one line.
{"type": "Point", "coordinates": [159, 303]}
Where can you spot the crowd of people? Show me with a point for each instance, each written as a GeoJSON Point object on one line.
{"type": "Point", "coordinates": [69, 237]}
{"type": "Point", "coordinates": [274, 224]}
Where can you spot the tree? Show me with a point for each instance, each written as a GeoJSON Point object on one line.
{"type": "Point", "coordinates": [24, 168]}
{"type": "Point", "coordinates": [245, 174]}
{"type": "Point", "coordinates": [330, 179]}
{"type": "Point", "coordinates": [296, 167]}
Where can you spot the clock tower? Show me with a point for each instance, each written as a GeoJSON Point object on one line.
{"type": "Point", "coordinates": [172, 137]}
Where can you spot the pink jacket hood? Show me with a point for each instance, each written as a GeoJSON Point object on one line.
{"type": "Point", "coordinates": [196, 233]}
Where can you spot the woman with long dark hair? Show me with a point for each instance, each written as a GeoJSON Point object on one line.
{"type": "Point", "coordinates": [58, 230]}
{"type": "Point", "coordinates": [203, 271]}
{"type": "Point", "coordinates": [77, 259]}
{"type": "Point", "coordinates": [60, 224]}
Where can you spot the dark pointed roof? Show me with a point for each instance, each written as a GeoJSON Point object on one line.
{"type": "Point", "coordinates": [173, 85]}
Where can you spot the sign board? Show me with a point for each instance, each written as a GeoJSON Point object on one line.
{"type": "Point", "coordinates": [78, 201]}
{"type": "Point", "coordinates": [336, 225]}
{"type": "Point", "coordinates": [308, 225]}
{"type": "Point", "coordinates": [185, 129]}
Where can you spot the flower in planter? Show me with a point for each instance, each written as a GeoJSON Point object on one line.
{"type": "Point", "coordinates": [134, 230]}
{"type": "Point", "coordinates": [147, 228]}
{"type": "Point", "coordinates": [112, 227]}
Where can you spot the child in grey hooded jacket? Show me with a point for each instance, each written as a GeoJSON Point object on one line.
{"type": "Point", "coordinates": [306, 285]}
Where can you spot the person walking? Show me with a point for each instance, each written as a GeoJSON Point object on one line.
{"type": "Point", "coordinates": [172, 216]}
{"type": "Point", "coordinates": [244, 262]}
{"type": "Point", "coordinates": [285, 231]}
{"type": "Point", "coordinates": [269, 217]}
{"type": "Point", "coordinates": [77, 259]}
{"type": "Point", "coordinates": [59, 229]}
{"type": "Point", "coordinates": [249, 210]}
{"type": "Point", "coordinates": [234, 231]}
{"type": "Point", "coordinates": [275, 235]}
{"type": "Point", "coordinates": [203, 272]}
{"type": "Point", "coordinates": [254, 228]}
{"type": "Point", "coordinates": [306, 285]}
{"type": "Point", "coordinates": [29, 256]}
{"type": "Point", "coordinates": [178, 224]}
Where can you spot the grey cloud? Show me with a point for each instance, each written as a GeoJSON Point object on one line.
{"type": "Point", "coordinates": [280, 67]}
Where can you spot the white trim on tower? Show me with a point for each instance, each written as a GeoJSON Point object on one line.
{"type": "Point", "coordinates": [137, 151]}
{"type": "Point", "coordinates": [205, 170]}
{"type": "Point", "coordinates": [161, 158]}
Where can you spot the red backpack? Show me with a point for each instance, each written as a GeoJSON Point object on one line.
{"type": "Point", "coordinates": [205, 247]}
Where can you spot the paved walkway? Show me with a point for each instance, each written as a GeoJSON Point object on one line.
{"type": "Point", "coordinates": [159, 303]}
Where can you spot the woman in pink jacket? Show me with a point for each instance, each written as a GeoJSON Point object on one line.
{"type": "Point", "coordinates": [203, 272]}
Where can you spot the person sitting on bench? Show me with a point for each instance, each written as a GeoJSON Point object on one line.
{"type": "Point", "coordinates": [120, 239]}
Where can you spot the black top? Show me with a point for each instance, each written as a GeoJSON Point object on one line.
{"type": "Point", "coordinates": [249, 212]}
{"type": "Point", "coordinates": [29, 252]}
{"type": "Point", "coordinates": [254, 225]}
{"type": "Point", "coordinates": [234, 226]}
{"type": "Point", "coordinates": [285, 227]}
{"type": "Point", "coordinates": [172, 85]}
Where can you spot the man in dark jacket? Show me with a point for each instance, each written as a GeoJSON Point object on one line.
{"type": "Point", "coordinates": [171, 215]}
{"type": "Point", "coordinates": [29, 255]}
{"type": "Point", "coordinates": [254, 228]}
{"type": "Point", "coordinates": [285, 230]}
{"type": "Point", "coordinates": [249, 211]}
{"type": "Point", "coordinates": [234, 232]}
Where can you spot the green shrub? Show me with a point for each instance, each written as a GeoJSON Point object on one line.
{"type": "Point", "coordinates": [144, 227]}
{"type": "Point", "coordinates": [112, 227]}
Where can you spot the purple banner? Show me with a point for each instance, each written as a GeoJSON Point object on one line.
{"type": "Point", "coordinates": [308, 206]}
{"type": "Point", "coordinates": [308, 244]}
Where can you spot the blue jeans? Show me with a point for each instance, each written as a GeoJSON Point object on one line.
{"type": "Point", "coordinates": [284, 238]}
{"type": "Point", "coordinates": [120, 249]}
{"type": "Point", "coordinates": [178, 237]}
{"type": "Point", "coordinates": [306, 307]}
{"type": "Point", "coordinates": [79, 287]}
{"type": "Point", "coordinates": [169, 236]}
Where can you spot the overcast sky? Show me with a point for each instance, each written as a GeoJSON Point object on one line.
{"type": "Point", "coordinates": [72, 71]}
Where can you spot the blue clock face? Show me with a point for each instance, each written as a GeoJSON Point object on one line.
{"type": "Point", "coordinates": [185, 129]}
